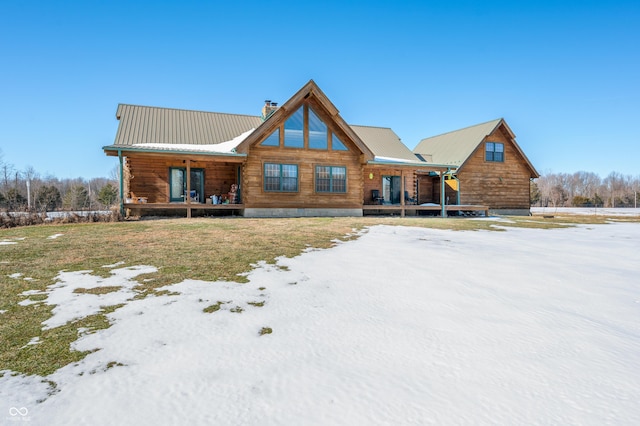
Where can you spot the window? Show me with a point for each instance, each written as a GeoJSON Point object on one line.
{"type": "Point", "coordinates": [318, 138]}
{"type": "Point", "coordinates": [280, 177]}
{"type": "Point", "coordinates": [178, 184]}
{"type": "Point", "coordinates": [304, 129]}
{"type": "Point", "coordinates": [336, 144]}
{"type": "Point", "coordinates": [494, 151]}
{"type": "Point", "coordinates": [273, 139]}
{"type": "Point", "coordinates": [294, 130]}
{"type": "Point", "coordinates": [331, 179]}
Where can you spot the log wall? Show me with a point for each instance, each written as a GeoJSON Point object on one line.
{"type": "Point", "coordinates": [150, 175]}
{"type": "Point", "coordinates": [254, 195]}
{"type": "Point", "coordinates": [499, 185]}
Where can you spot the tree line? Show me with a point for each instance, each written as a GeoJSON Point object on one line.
{"type": "Point", "coordinates": [585, 189]}
{"type": "Point", "coordinates": [26, 190]}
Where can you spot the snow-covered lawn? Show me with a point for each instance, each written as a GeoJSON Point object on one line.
{"type": "Point", "coordinates": [401, 326]}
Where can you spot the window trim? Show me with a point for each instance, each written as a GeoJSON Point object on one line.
{"type": "Point", "coordinates": [493, 152]}
{"type": "Point", "coordinates": [331, 179]}
{"type": "Point", "coordinates": [280, 177]}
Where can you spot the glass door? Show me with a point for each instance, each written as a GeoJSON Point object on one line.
{"type": "Point", "coordinates": [178, 185]}
{"type": "Point", "coordinates": [391, 189]}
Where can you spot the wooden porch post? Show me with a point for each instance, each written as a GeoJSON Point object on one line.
{"type": "Point", "coordinates": [188, 194]}
{"type": "Point", "coordinates": [401, 192]}
{"type": "Point", "coordinates": [442, 196]}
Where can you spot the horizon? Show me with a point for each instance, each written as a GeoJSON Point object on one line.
{"type": "Point", "coordinates": [564, 77]}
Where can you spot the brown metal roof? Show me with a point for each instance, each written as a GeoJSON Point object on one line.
{"type": "Point", "coordinates": [143, 124]}
{"type": "Point", "coordinates": [384, 143]}
{"type": "Point", "coordinates": [455, 147]}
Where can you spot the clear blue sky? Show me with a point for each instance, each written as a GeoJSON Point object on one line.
{"type": "Point", "coordinates": [564, 74]}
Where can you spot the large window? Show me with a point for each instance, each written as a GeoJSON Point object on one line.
{"type": "Point", "coordinates": [305, 129]}
{"type": "Point", "coordinates": [331, 179]}
{"type": "Point", "coordinates": [494, 151]}
{"type": "Point", "coordinates": [294, 130]}
{"type": "Point", "coordinates": [280, 177]}
{"type": "Point", "coordinates": [318, 138]}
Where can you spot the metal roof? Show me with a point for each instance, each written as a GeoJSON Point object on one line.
{"type": "Point", "coordinates": [155, 125]}
{"type": "Point", "coordinates": [455, 147]}
{"type": "Point", "coordinates": [384, 143]}
{"type": "Point", "coordinates": [143, 124]}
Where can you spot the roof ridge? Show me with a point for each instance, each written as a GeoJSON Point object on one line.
{"type": "Point", "coordinates": [373, 127]}
{"type": "Point", "coordinates": [188, 110]}
{"type": "Point", "coordinates": [459, 130]}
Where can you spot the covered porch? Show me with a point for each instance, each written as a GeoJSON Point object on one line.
{"type": "Point", "coordinates": [180, 184]}
{"type": "Point", "coordinates": [408, 190]}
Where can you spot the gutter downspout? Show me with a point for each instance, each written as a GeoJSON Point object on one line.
{"type": "Point", "coordinates": [121, 183]}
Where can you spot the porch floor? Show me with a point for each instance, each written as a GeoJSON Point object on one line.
{"type": "Point", "coordinates": [137, 208]}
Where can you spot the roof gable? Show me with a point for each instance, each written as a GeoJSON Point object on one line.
{"type": "Point", "coordinates": [457, 147]}
{"type": "Point", "coordinates": [310, 92]}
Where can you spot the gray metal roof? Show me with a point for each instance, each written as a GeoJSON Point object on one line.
{"type": "Point", "coordinates": [455, 147]}
{"type": "Point", "coordinates": [384, 143]}
{"type": "Point", "coordinates": [143, 124]}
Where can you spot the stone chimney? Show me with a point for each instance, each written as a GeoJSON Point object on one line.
{"type": "Point", "coordinates": [268, 109]}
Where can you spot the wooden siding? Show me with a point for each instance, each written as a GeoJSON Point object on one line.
{"type": "Point", "coordinates": [372, 177]}
{"type": "Point", "coordinates": [254, 195]}
{"type": "Point", "coordinates": [500, 185]}
{"type": "Point", "coordinates": [150, 175]}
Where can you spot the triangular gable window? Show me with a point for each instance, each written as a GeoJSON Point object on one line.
{"type": "Point", "coordinates": [304, 129]}
{"type": "Point", "coordinates": [273, 139]}
{"type": "Point", "coordinates": [336, 144]}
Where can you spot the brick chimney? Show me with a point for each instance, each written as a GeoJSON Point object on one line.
{"type": "Point", "coordinates": [268, 109]}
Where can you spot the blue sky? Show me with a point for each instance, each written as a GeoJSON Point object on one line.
{"type": "Point", "coordinates": [564, 74]}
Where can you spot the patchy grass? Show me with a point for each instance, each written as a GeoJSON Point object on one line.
{"type": "Point", "coordinates": [97, 290]}
{"type": "Point", "coordinates": [256, 304]}
{"type": "Point", "coordinates": [265, 330]}
{"type": "Point", "coordinates": [202, 249]}
{"type": "Point", "coordinates": [213, 308]}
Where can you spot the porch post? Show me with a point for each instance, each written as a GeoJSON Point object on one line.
{"type": "Point", "coordinates": [121, 183]}
{"type": "Point", "coordinates": [443, 213]}
{"type": "Point", "coordinates": [188, 194]}
{"type": "Point", "coordinates": [401, 192]}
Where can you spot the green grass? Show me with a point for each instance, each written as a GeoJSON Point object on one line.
{"type": "Point", "coordinates": [202, 249]}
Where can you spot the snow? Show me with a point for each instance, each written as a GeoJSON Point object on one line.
{"type": "Point", "coordinates": [222, 147]}
{"type": "Point", "coordinates": [593, 211]}
{"type": "Point", "coordinates": [396, 160]}
{"type": "Point", "coordinates": [402, 325]}
{"type": "Point", "coordinates": [54, 236]}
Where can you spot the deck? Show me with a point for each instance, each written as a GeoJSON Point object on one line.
{"type": "Point", "coordinates": [389, 208]}
{"type": "Point", "coordinates": [137, 208]}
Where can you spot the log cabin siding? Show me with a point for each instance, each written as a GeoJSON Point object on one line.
{"type": "Point", "coordinates": [150, 175]}
{"type": "Point", "coordinates": [500, 185]}
{"type": "Point", "coordinates": [306, 197]}
{"type": "Point", "coordinates": [372, 177]}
